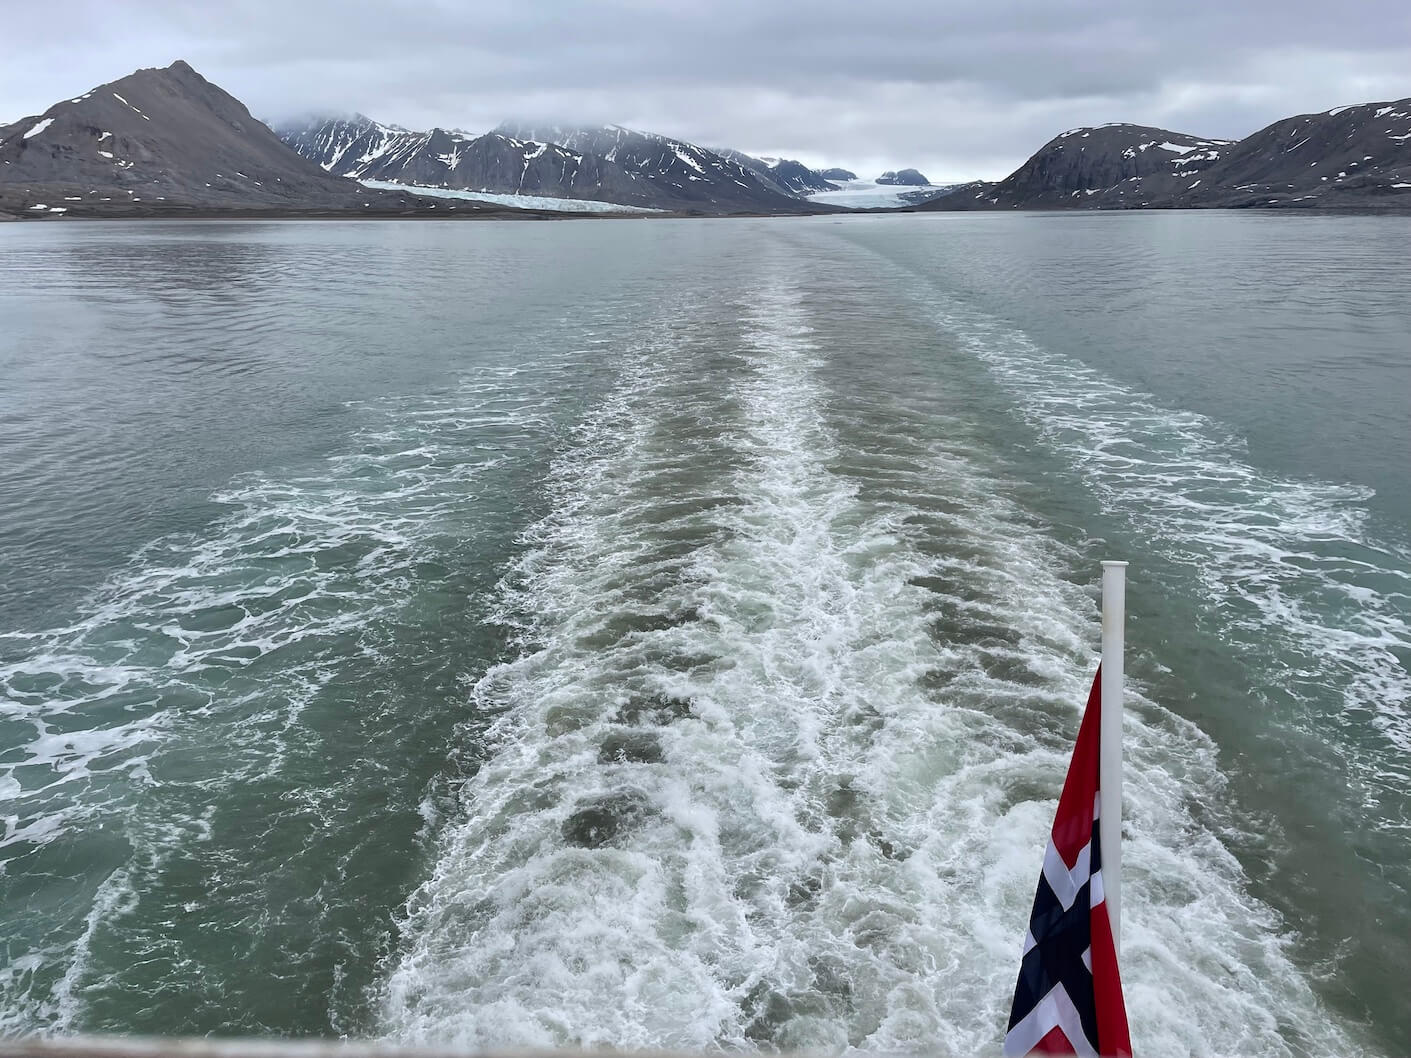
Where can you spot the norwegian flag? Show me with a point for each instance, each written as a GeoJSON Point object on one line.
{"type": "Point", "coordinates": [1069, 996]}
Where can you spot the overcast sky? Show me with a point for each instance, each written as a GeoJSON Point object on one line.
{"type": "Point", "coordinates": [959, 90]}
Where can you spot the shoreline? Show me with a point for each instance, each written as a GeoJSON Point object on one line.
{"type": "Point", "coordinates": [495, 212]}
{"type": "Point", "coordinates": [453, 213]}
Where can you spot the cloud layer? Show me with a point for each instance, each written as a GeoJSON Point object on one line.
{"type": "Point", "coordinates": [959, 90]}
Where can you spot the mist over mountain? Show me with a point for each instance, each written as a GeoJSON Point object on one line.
{"type": "Point", "coordinates": [594, 163]}
{"type": "Point", "coordinates": [168, 139]}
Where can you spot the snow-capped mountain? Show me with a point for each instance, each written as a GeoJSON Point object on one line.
{"type": "Point", "coordinates": [1357, 156]}
{"type": "Point", "coordinates": [787, 175]}
{"type": "Point", "coordinates": [905, 177]}
{"type": "Point", "coordinates": [799, 178]}
{"type": "Point", "coordinates": [683, 174]}
{"type": "Point", "coordinates": [607, 164]}
{"type": "Point", "coordinates": [369, 150]}
{"type": "Point", "coordinates": [339, 145]}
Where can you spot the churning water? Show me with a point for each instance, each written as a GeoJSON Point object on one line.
{"type": "Point", "coordinates": [671, 633]}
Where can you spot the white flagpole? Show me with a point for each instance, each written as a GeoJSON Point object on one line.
{"type": "Point", "coordinates": [1114, 602]}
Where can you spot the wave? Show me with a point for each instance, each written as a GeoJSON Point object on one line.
{"type": "Point", "coordinates": [775, 761]}
{"type": "Point", "coordinates": [197, 681]}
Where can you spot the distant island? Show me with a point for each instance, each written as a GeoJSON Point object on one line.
{"type": "Point", "coordinates": [167, 142]}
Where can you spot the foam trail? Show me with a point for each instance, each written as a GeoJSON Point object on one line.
{"type": "Point", "coordinates": [185, 679]}
{"type": "Point", "coordinates": [775, 761]}
{"type": "Point", "coordinates": [1292, 563]}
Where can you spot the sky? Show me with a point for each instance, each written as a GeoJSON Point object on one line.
{"type": "Point", "coordinates": [959, 90]}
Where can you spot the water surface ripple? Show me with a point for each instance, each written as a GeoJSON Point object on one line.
{"type": "Point", "coordinates": [671, 634]}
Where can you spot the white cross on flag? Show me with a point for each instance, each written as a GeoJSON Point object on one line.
{"type": "Point", "coordinates": [1069, 996]}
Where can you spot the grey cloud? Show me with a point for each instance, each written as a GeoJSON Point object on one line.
{"type": "Point", "coordinates": [959, 90]}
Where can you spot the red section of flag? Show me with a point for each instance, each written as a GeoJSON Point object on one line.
{"type": "Point", "coordinates": [1068, 999]}
{"type": "Point", "coordinates": [1073, 822]}
{"type": "Point", "coordinates": [1054, 1043]}
{"type": "Point", "coordinates": [1113, 1040]}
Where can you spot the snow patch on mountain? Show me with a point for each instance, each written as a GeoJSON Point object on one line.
{"type": "Point", "coordinates": [562, 205]}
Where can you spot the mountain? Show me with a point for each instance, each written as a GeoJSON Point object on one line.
{"type": "Point", "coordinates": [1350, 156]}
{"type": "Point", "coordinates": [682, 175]}
{"type": "Point", "coordinates": [800, 179]}
{"type": "Point", "coordinates": [1357, 157]}
{"type": "Point", "coordinates": [761, 167]}
{"type": "Point", "coordinates": [787, 175]}
{"type": "Point", "coordinates": [1111, 161]}
{"type": "Point", "coordinates": [903, 176]}
{"type": "Point", "coordinates": [607, 164]}
{"type": "Point", "coordinates": [837, 174]}
{"type": "Point", "coordinates": [163, 140]}
{"type": "Point", "coordinates": [364, 149]}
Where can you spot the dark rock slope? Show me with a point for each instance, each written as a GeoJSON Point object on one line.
{"type": "Point", "coordinates": [1350, 157]}
{"type": "Point", "coordinates": [364, 149]}
{"type": "Point", "coordinates": [683, 175]}
{"type": "Point", "coordinates": [606, 164]}
{"type": "Point", "coordinates": [800, 179]}
{"type": "Point", "coordinates": [761, 167]}
{"type": "Point", "coordinates": [1358, 156]}
{"type": "Point", "coordinates": [838, 174]}
{"type": "Point", "coordinates": [791, 177]}
{"type": "Point", "coordinates": [163, 139]}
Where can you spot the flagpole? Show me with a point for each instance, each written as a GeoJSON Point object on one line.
{"type": "Point", "coordinates": [1114, 600]}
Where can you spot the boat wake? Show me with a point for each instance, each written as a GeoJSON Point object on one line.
{"type": "Point", "coordinates": [781, 744]}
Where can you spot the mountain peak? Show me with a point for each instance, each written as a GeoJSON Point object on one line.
{"type": "Point", "coordinates": [607, 163]}
{"type": "Point", "coordinates": [163, 137]}
{"type": "Point", "coordinates": [903, 176]}
{"type": "Point", "coordinates": [1358, 156]}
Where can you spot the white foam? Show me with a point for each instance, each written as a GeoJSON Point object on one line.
{"type": "Point", "coordinates": [839, 846]}
{"type": "Point", "coordinates": [223, 637]}
{"type": "Point", "coordinates": [1283, 560]}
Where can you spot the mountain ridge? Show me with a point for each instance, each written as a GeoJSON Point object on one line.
{"type": "Point", "coordinates": [1356, 157]}
{"type": "Point", "coordinates": [608, 163]}
{"type": "Point", "coordinates": [168, 140]}
{"type": "Point", "coordinates": [163, 138]}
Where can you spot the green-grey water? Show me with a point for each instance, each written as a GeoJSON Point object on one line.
{"type": "Point", "coordinates": [670, 633]}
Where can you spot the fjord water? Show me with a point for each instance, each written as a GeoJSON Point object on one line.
{"type": "Point", "coordinates": [670, 633]}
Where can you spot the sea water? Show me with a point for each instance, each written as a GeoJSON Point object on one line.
{"type": "Point", "coordinates": [662, 633]}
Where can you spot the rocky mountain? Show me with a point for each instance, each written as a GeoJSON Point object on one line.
{"type": "Point", "coordinates": [1112, 161]}
{"type": "Point", "coordinates": [786, 174]}
{"type": "Point", "coordinates": [761, 167]}
{"type": "Point", "coordinates": [682, 176]}
{"type": "Point", "coordinates": [1357, 157]}
{"type": "Point", "coordinates": [800, 179]}
{"type": "Point", "coordinates": [837, 174]}
{"type": "Point", "coordinates": [364, 149]}
{"type": "Point", "coordinates": [903, 176]}
{"type": "Point", "coordinates": [163, 140]}
{"type": "Point", "coordinates": [607, 164]}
